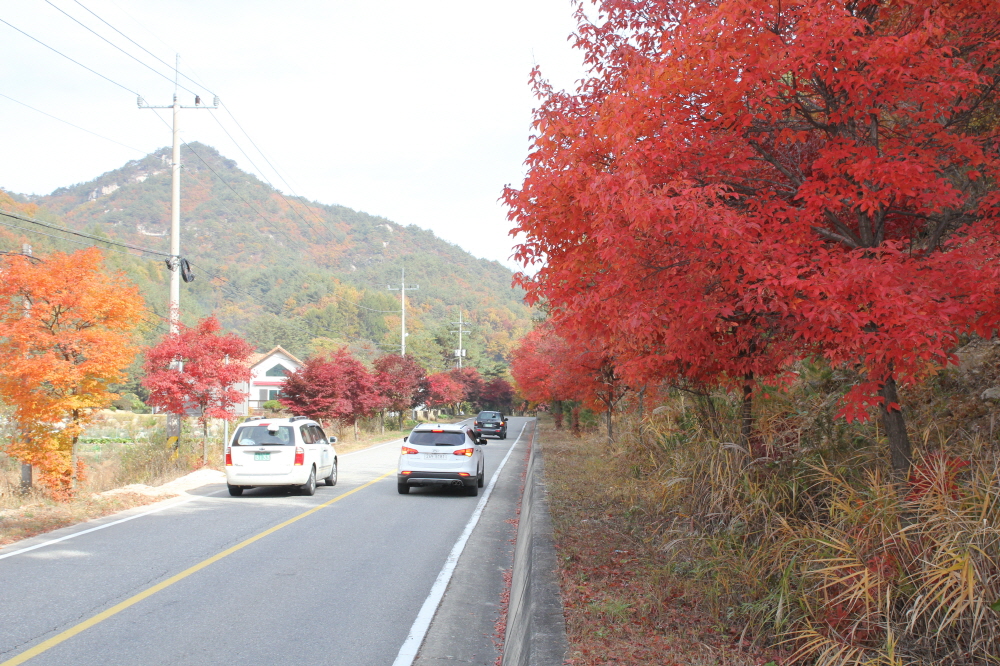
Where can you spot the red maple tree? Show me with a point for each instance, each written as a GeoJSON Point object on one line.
{"type": "Point", "coordinates": [443, 389]}
{"type": "Point", "coordinates": [401, 381]}
{"type": "Point", "coordinates": [198, 367]}
{"type": "Point", "coordinates": [498, 394]}
{"type": "Point", "coordinates": [471, 381]}
{"type": "Point", "coordinates": [336, 387]}
{"type": "Point", "coordinates": [768, 179]}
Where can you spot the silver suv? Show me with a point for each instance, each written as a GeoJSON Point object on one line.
{"type": "Point", "coordinates": [435, 454]}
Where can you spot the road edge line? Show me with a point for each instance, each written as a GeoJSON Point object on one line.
{"type": "Point", "coordinates": [418, 631]}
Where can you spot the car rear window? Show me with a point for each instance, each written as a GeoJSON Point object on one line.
{"type": "Point", "coordinates": [258, 435]}
{"type": "Point", "coordinates": [437, 438]}
{"type": "Point", "coordinates": [489, 415]}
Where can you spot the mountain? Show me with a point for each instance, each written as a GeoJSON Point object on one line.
{"type": "Point", "coordinates": [284, 270]}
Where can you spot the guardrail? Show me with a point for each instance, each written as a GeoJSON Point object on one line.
{"type": "Point", "coordinates": [536, 628]}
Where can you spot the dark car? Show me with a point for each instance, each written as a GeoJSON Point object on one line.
{"type": "Point", "coordinates": [491, 423]}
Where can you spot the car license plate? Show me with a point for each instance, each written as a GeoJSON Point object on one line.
{"type": "Point", "coordinates": [262, 456]}
{"type": "Point", "coordinates": [436, 456]}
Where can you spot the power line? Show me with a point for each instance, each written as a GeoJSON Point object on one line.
{"type": "Point", "coordinates": [66, 230]}
{"type": "Point", "coordinates": [168, 65]}
{"type": "Point", "coordinates": [84, 129]}
{"type": "Point", "coordinates": [240, 148]}
{"type": "Point", "coordinates": [275, 169]}
{"type": "Point", "coordinates": [105, 39]}
{"type": "Point", "coordinates": [226, 183]}
{"type": "Point", "coordinates": [92, 71]}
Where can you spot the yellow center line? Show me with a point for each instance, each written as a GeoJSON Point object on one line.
{"type": "Point", "coordinates": [148, 592]}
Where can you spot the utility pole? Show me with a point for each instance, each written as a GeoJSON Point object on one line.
{"type": "Point", "coordinates": [26, 469]}
{"type": "Point", "coordinates": [402, 289]}
{"type": "Point", "coordinates": [460, 352]}
{"type": "Point", "coordinates": [174, 263]}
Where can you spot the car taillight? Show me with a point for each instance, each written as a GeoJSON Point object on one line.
{"type": "Point", "coordinates": [406, 472]}
{"type": "Point", "coordinates": [463, 474]}
{"type": "Point", "coordinates": [463, 452]}
{"type": "Point", "coordinates": [229, 456]}
{"type": "Point", "coordinates": [407, 450]}
{"type": "Point", "coordinates": [300, 456]}
{"type": "Point", "coordinates": [477, 423]}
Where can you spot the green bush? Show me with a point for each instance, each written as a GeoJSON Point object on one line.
{"type": "Point", "coordinates": [273, 405]}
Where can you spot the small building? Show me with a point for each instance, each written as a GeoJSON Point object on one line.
{"type": "Point", "coordinates": [267, 375]}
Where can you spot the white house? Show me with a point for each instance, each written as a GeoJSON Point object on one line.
{"type": "Point", "coordinates": [267, 375]}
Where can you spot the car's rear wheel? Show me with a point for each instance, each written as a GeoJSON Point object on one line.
{"type": "Point", "coordinates": [309, 487]}
{"type": "Point", "coordinates": [235, 491]}
{"type": "Point", "coordinates": [472, 490]}
{"type": "Point", "coordinates": [402, 489]}
{"type": "Point", "coordinates": [332, 479]}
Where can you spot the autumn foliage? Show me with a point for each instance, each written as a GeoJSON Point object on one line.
{"type": "Point", "coordinates": [69, 331]}
{"type": "Point", "coordinates": [336, 387]}
{"type": "Point", "coordinates": [198, 367]}
{"type": "Point", "coordinates": [401, 382]}
{"type": "Point", "coordinates": [740, 184]}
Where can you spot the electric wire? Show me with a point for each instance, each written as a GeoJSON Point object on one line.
{"type": "Point", "coordinates": [227, 184]}
{"type": "Point", "coordinates": [105, 39]}
{"type": "Point", "coordinates": [84, 129]}
{"type": "Point", "coordinates": [164, 62]}
{"type": "Point", "coordinates": [66, 230]}
{"type": "Point", "coordinates": [92, 71]}
{"type": "Point", "coordinates": [275, 169]}
{"type": "Point", "coordinates": [261, 171]}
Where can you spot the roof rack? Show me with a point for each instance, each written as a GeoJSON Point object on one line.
{"type": "Point", "coordinates": [252, 418]}
{"type": "Point", "coordinates": [299, 418]}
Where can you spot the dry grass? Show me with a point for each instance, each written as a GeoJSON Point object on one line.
{"type": "Point", "coordinates": [624, 603]}
{"type": "Point", "coordinates": [38, 514]}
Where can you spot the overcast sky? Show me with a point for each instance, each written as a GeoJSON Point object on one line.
{"type": "Point", "coordinates": [416, 111]}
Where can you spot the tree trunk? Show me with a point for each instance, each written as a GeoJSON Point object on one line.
{"type": "Point", "coordinates": [355, 430]}
{"type": "Point", "coordinates": [611, 436]}
{"type": "Point", "coordinates": [204, 442]}
{"type": "Point", "coordinates": [895, 431]}
{"type": "Point", "coordinates": [557, 413]}
{"type": "Point", "coordinates": [642, 400]}
{"type": "Point", "coordinates": [746, 412]}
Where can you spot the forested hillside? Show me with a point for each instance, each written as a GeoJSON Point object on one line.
{"type": "Point", "coordinates": [283, 270]}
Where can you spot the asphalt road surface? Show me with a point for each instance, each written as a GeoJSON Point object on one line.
{"type": "Point", "coordinates": [351, 575]}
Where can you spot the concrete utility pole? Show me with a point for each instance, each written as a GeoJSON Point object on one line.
{"type": "Point", "coordinates": [26, 470]}
{"type": "Point", "coordinates": [175, 199]}
{"type": "Point", "coordinates": [402, 289]}
{"type": "Point", "coordinates": [174, 262]}
{"type": "Point", "coordinates": [460, 352]}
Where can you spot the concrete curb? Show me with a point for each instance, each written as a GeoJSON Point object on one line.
{"type": "Point", "coordinates": [536, 628]}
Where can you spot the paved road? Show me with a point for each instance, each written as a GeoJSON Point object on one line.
{"type": "Point", "coordinates": [340, 585]}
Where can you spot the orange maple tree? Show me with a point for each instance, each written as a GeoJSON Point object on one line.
{"type": "Point", "coordinates": [69, 331]}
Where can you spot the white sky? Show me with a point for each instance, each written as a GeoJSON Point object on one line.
{"type": "Point", "coordinates": [416, 111]}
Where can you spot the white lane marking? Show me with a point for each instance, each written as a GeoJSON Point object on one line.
{"type": "Point", "coordinates": [106, 525]}
{"type": "Point", "coordinates": [408, 652]}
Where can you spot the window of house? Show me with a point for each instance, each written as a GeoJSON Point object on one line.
{"type": "Point", "coordinates": [277, 371]}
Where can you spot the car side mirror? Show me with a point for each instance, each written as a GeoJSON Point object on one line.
{"type": "Point", "coordinates": [333, 440]}
{"type": "Point", "coordinates": [405, 437]}
{"type": "Point", "coordinates": [482, 440]}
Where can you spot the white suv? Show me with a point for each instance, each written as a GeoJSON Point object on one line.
{"type": "Point", "coordinates": [280, 452]}
{"type": "Point", "coordinates": [435, 454]}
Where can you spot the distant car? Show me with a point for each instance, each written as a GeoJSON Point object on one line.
{"type": "Point", "coordinates": [280, 452]}
{"type": "Point", "coordinates": [490, 423]}
{"type": "Point", "coordinates": [435, 454]}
